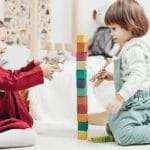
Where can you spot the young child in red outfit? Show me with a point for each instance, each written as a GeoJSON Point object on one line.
{"type": "Point", "coordinates": [14, 117]}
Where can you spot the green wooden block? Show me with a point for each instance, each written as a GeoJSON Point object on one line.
{"type": "Point", "coordinates": [81, 74]}
{"type": "Point", "coordinates": [81, 91]}
{"type": "Point", "coordinates": [102, 139]}
{"type": "Point", "coordinates": [82, 126]}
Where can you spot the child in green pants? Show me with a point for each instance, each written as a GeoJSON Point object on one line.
{"type": "Point", "coordinates": [129, 111]}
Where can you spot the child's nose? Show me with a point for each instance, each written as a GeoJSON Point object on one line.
{"type": "Point", "coordinates": [112, 33]}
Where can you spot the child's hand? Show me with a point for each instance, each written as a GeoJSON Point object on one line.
{"type": "Point", "coordinates": [115, 105]}
{"type": "Point", "coordinates": [37, 61]}
{"type": "Point", "coordinates": [107, 76]}
{"type": "Point", "coordinates": [48, 70]}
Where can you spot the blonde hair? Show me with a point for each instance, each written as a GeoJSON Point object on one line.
{"type": "Point", "coordinates": [129, 14]}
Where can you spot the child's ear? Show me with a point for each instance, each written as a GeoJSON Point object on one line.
{"type": "Point", "coordinates": [94, 14]}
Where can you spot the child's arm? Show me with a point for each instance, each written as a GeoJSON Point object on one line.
{"type": "Point", "coordinates": [24, 78]}
{"type": "Point", "coordinates": [114, 105]}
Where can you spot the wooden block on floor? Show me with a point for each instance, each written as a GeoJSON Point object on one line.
{"type": "Point", "coordinates": [81, 38]}
{"type": "Point", "coordinates": [82, 108]}
{"type": "Point", "coordinates": [82, 126]}
{"type": "Point", "coordinates": [82, 47]}
{"type": "Point", "coordinates": [81, 74]}
{"type": "Point", "coordinates": [82, 117]}
{"type": "Point", "coordinates": [81, 83]}
{"type": "Point", "coordinates": [81, 56]}
{"type": "Point", "coordinates": [81, 65]}
{"type": "Point", "coordinates": [82, 135]}
{"type": "Point", "coordinates": [82, 99]}
{"type": "Point", "coordinates": [81, 91]}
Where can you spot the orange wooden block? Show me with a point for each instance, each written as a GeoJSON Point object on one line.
{"type": "Point", "coordinates": [82, 117]}
{"type": "Point", "coordinates": [82, 100]}
{"type": "Point", "coordinates": [82, 47]}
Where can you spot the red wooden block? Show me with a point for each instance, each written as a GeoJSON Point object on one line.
{"type": "Point", "coordinates": [82, 108]}
{"type": "Point", "coordinates": [81, 56]}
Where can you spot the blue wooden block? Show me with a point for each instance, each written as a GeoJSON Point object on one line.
{"type": "Point", "coordinates": [81, 83]}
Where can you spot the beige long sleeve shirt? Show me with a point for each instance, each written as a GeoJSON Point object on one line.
{"type": "Point", "coordinates": [135, 66]}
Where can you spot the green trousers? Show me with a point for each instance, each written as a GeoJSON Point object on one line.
{"type": "Point", "coordinates": [131, 125]}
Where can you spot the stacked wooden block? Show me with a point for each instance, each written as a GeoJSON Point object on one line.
{"type": "Point", "coordinates": [81, 78]}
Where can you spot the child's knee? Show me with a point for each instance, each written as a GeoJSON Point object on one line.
{"type": "Point", "coordinates": [124, 137]}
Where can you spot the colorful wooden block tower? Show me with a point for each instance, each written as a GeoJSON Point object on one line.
{"type": "Point", "coordinates": [81, 79]}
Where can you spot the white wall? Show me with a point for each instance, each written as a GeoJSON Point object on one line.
{"type": "Point", "coordinates": [61, 21]}
{"type": "Point", "coordinates": [1, 10]}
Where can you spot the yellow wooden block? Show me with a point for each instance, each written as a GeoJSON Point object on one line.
{"type": "Point", "coordinates": [82, 135]}
{"type": "Point", "coordinates": [81, 38]}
